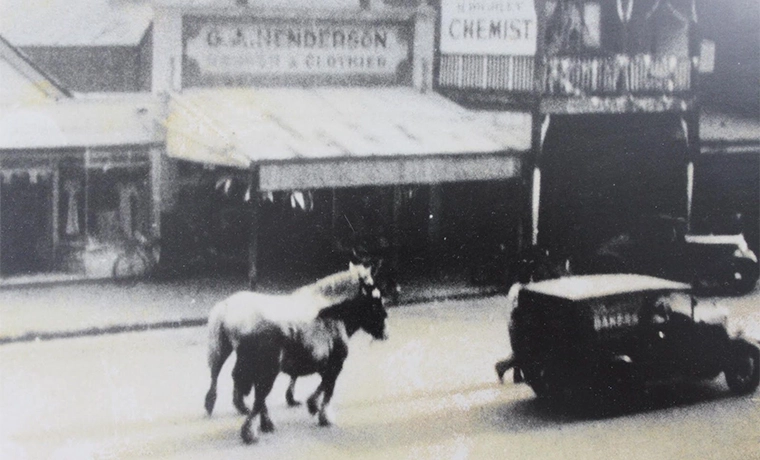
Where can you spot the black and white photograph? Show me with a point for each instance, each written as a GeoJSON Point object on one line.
{"type": "Point", "coordinates": [380, 229]}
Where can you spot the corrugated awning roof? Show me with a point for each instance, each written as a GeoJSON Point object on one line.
{"type": "Point", "coordinates": [75, 22]}
{"type": "Point", "coordinates": [717, 126]}
{"type": "Point", "coordinates": [728, 133]}
{"type": "Point", "coordinates": [108, 121]}
{"type": "Point", "coordinates": [241, 127]}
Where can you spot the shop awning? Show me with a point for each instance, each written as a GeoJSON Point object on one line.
{"type": "Point", "coordinates": [332, 137]}
{"type": "Point", "coordinates": [74, 123]}
{"type": "Point", "coordinates": [728, 133]}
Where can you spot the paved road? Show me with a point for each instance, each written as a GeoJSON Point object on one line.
{"type": "Point", "coordinates": [429, 392]}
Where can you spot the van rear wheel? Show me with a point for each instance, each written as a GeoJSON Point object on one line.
{"type": "Point", "coordinates": [743, 369]}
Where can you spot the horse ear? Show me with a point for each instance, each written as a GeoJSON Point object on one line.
{"type": "Point", "coordinates": [355, 259]}
{"type": "Point", "coordinates": [375, 268]}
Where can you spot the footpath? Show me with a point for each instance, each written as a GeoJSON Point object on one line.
{"type": "Point", "coordinates": [73, 309]}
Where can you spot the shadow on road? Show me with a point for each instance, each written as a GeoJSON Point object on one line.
{"type": "Point", "coordinates": [660, 397]}
{"type": "Point", "coordinates": [497, 416]}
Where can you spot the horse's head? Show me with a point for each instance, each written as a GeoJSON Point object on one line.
{"type": "Point", "coordinates": [362, 271]}
{"type": "Point", "coordinates": [371, 311]}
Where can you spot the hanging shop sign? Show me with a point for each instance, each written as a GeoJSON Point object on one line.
{"type": "Point", "coordinates": [116, 158]}
{"type": "Point", "coordinates": [488, 27]}
{"type": "Point", "coordinates": [250, 49]}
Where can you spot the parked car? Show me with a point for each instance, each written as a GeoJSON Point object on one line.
{"type": "Point", "coordinates": [661, 247]}
{"type": "Point", "coordinates": [592, 334]}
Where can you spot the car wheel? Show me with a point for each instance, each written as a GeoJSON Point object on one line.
{"type": "Point", "coordinates": [545, 382]}
{"type": "Point", "coordinates": [745, 274]}
{"type": "Point", "coordinates": [743, 369]}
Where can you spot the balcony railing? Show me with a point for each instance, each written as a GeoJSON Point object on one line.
{"type": "Point", "coordinates": [576, 76]}
{"type": "Point", "coordinates": [506, 73]}
{"type": "Point", "coordinates": [616, 75]}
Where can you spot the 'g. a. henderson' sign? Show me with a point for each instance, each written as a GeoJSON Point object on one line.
{"type": "Point", "coordinates": [488, 27]}
{"type": "Point", "coordinates": [271, 47]}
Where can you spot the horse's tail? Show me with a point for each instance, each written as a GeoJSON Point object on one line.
{"type": "Point", "coordinates": [219, 348]}
{"type": "Point", "coordinates": [219, 344]}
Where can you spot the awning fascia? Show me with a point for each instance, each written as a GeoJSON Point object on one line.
{"type": "Point", "coordinates": [429, 169]}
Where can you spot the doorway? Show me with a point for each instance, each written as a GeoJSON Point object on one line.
{"type": "Point", "coordinates": [603, 175]}
{"type": "Point", "coordinates": [26, 235]}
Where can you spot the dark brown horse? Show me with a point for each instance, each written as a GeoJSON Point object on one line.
{"type": "Point", "coordinates": [302, 348]}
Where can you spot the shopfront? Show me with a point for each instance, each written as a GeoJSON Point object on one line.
{"type": "Point", "coordinates": [619, 123]}
{"type": "Point", "coordinates": [607, 175]}
{"type": "Point", "coordinates": [609, 86]}
{"type": "Point", "coordinates": [324, 125]}
{"type": "Point", "coordinates": [76, 185]}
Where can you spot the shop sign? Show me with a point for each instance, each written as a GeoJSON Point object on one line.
{"type": "Point", "coordinates": [488, 27]}
{"type": "Point", "coordinates": [115, 158]}
{"type": "Point", "coordinates": [265, 48]}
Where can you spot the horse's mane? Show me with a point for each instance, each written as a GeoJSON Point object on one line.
{"type": "Point", "coordinates": [333, 285]}
{"type": "Point", "coordinates": [338, 310]}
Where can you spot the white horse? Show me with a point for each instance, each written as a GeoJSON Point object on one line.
{"type": "Point", "coordinates": [235, 317]}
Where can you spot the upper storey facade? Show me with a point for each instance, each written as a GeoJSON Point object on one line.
{"type": "Point", "coordinates": [573, 56]}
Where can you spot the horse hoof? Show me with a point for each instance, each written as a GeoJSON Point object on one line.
{"type": "Point", "coordinates": [293, 403]}
{"type": "Point", "coordinates": [267, 426]}
{"type": "Point", "coordinates": [311, 404]}
{"type": "Point", "coordinates": [247, 433]}
{"type": "Point", "coordinates": [324, 420]}
{"type": "Point", "coordinates": [210, 401]}
{"type": "Point", "coordinates": [500, 374]}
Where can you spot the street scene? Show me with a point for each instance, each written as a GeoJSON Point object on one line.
{"type": "Point", "coordinates": [417, 229]}
{"type": "Point", "coordinates": [427, 392]}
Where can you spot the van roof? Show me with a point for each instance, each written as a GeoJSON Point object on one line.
{"type": "Point", "coordinates": [592, 286]}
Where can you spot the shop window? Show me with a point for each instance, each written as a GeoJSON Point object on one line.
{"type": "Point", "coordinates": [107, 206]}
{"type": "Point", "coordinates": [129, 210]}
{"type": "Point", "coordinates": [670, 31]}
{"type": "Point", "coordinates": [72, 204]}
{"type": "Point", "coordinates": [573, 27]}
{"type": "Point", "coordinates": [616, 26]}
{"type": "Point", "coordinates": [592, 31]}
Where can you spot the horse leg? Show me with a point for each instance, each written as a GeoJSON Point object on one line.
{"type": "Point", "coordinates": [328, 380]}
{"type": "Point", "coordinates": [289, 393]}
{"type": "Point", "coordinates": [249, 432]}
{"type": "Point", "coordinates": [313, 401]}
{"type": "Point", "coordinates": [258, 359]}
{"type": "Point", "coordinates": [218, 354]}
{"type": "Point", "coordinates": [238, 400]}
{"type": "Point", "coordinates": [262, 387]}
{"type": "Point", "coordinates": [266, 423]}
{"type": "Point", "coordinates": [243, 377]}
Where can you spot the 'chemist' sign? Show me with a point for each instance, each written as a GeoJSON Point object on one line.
{"type": "Point", "coordinates": [488, 27]}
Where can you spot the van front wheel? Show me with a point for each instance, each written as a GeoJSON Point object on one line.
{"type": "Point", "coordinates": [743, 369]}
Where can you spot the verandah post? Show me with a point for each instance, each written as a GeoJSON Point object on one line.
{"type": "Point", "coordinates": [253, 241]}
